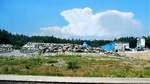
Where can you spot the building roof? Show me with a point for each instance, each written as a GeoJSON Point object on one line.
{"type": "Point", "coordinates": [109, 46]}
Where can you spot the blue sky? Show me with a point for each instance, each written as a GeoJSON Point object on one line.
{"type": "Point", "coordinates": [28, 16]}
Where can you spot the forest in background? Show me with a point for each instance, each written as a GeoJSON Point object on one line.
{"type": "Point", "coordinates": [18, 40]}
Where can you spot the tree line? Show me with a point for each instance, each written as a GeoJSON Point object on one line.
{"type": "Point", "coordinates": [18, 40]}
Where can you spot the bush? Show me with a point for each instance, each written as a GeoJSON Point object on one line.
{"type": "Point", "coordinates": [73, 65]}
{"type": "Point", "coordinates": [9, 70]}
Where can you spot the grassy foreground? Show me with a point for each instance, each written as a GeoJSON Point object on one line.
{"type": "Point", "coordinates": [75, 65]}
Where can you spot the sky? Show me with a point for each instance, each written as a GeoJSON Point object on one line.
{"type": "Point", "coordinates": [84, 19]}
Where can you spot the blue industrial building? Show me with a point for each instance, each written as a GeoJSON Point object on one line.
{"type": "Point", "coordinates": [108, 47]}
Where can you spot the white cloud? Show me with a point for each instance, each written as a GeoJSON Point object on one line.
{"type": "Point", "coordinates": [82, 23]}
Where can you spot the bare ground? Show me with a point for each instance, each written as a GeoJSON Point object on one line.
{"type": "Point", "coordinates": [138, 54]}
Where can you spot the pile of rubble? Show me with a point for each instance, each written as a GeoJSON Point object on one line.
{"type": "Point", "coordinates": [5, 48]}
{"type": "Point", "coordinates": [53, 47]}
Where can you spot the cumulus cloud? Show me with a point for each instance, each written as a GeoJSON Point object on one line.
{"type": "Point", "coordinates": [84, 24]}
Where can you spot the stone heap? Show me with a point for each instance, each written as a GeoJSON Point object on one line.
{"type": "Point", "coordinates": [54, 47]}
{"type": "Point", "coordinates": [5, 48]}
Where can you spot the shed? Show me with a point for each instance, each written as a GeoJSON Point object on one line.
{"type": "Point", "coordinates": [113, 46]}
{"type": "Point", "coordinates": [108, 47]}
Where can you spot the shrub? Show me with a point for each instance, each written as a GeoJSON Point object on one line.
{"type": "Point", "coordinates": [73, 65]}
{"type": "Point", "coordinates": [9, 69]}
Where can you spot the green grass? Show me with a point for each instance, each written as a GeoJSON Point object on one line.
{"type": "Point", "coordinates": [75, 65]}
